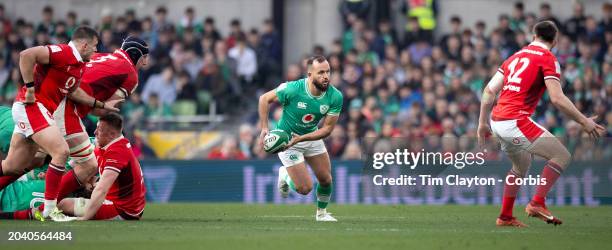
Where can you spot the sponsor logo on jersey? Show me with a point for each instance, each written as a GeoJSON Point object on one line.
{"type": "Point", "coordinates": [55, 48]}
{"type": "Point", "coordinates": [512, 88]}
{"type": "Point", "coordinates": [531, 52]}
{"type": "Point", "coordinates": [516, 141]}
{"type": "Point", "coordinates": [70, 82]}
{"type": "Point", "coordinates": [323, 109]}
{"type": "Point", "coordinates": [308, 118]}
{"type": "Point", "coordinates": [22, 126]}
{"type": "Point", "coordinates": [301, 105]}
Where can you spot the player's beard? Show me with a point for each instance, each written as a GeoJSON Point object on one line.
{"type": "Point", "coordinates": [320, 85]}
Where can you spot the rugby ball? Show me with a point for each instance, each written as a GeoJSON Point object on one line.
{"type": "Point", "coordinates": [275, 141]}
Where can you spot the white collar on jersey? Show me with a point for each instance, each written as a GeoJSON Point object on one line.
{"type": "Point", "coordinates": [539, 44]}
{"type": "Point", "coordinates": [75, 51]}
{"type": "Point", "coordinates": [112, 142]}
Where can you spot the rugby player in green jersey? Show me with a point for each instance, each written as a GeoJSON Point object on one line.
{"type": "Point", "coordinates": [305, 102]}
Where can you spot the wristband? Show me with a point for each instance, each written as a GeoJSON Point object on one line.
{"type": "Point", "coordinates": [94, 104]}
{"type": "Point", "coordinates": [29, 84]}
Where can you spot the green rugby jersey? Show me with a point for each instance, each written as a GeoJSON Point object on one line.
{"type": "Point", "coordinates": [6, 128]}
{"type": "Point", "coordinates": [301, 110]}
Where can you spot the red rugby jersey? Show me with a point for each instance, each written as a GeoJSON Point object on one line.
{"type": "Point", "coordinates": [57, 79]}
{"type": "Point", "coordinates": [523, 86]}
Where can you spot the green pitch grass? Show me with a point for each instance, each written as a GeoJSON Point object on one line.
{"type": "Point", "coordinates": [237, 226]}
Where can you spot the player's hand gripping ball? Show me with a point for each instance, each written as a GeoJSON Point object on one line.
{"type": "Point", "coordinates": [275, 141]}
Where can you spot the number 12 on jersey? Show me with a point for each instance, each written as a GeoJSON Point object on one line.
{"type": "Point", "coordinates": [514, 76]}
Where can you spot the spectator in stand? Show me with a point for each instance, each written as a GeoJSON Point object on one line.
{"type": "Point", "coordinates": [134, 26]}
{"type": "Point", "coordinates": [246, 61]}
{"type": "Point", "coordinates": [575, 25]}
{"type": "Point", "coordinates": [155, 108]}
{"type": "Point", "coordinates": [227, 151]}
{"type": "Point", "coordinates": [185, 88]}
{"type": "Point", "coordinates": [161, 22]}
{"type": "Point", "coordinates": [235, 33]}
{"type": "Point", "coordinates": [546, 15]}
{"type": "Point", "coordinates": [357, 8]}
{"type": "Point", "coordinates": [162, 85]}
{"type": "Point", "coordinates": [517, 20]}
{"type": "Point", "coordinates": [47, 25]}
{"type": "Point", "coordinates": [210, 30]}
{"type": "Point", "coordinates": [415, 33]}
{"type": "Point", "coordinates": [455, 25]}
{"type": "Point", "coordinates": [189, 21]}
{"type": "Point", "coordinates": [246, 136]}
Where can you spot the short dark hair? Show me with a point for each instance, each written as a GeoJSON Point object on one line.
{"type": "Point", "coordinates": [546, 30]}
{"type": "Point", "coordinates": [84, 32]}
{"type": "Point", "coordinates": [545, 5]}
{"type": "Point", "coordinates": [48, 9]}
{"type": "Point", "coordinates": [519, 5]}
{"type": "Point", "coordinates": [316, 58]}
{"type": "Point", "coordinates": [114, 120]}
{"type": "Point", "coordinates": [455, 19]}
{"type": "Point", "coordinates": [161, 10]}
{"type": "Point", "coordinates": [72, 14]}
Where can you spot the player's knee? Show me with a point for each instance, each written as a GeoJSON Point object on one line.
{"type": "Point", "coordinates": [60, 153]}
{"type": "Point", "coordinates": [86, 169]}
{"type": "Point", "coordinates": [65, 205]}
{"type": "Point", "coordinates": [9, 169]}
{"type": "Point", "coordinates": [304, 189]}
{"type": "Point", "coordinates": [325, 180]}
{"type": "Point", "coordinates": [562, 158]}
{"type": "Point", "coordinates": [36, 163]}
{"type": "Point", "coordinates": [61, 205]}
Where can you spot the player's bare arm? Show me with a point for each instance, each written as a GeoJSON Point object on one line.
{"type": "Point", "coordinates": [486, 104]}
{"type": "Point", "coordinates": [263, 109]}
{"type": "Point", "coordinates": [99, 193]}
{"type": "Point", "coordinates": [27, 59]}
{"type": "Point", "coordinates": [81, 96]}
{"type": "Point", "coordinates": [328, 126]}
{"type": "Point", "coordinates": [119, 96]}
{"type": "Point", "coordinates": [563, 103]}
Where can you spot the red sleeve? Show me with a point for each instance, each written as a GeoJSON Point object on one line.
{"type": "Point", "coordinates": [130, 83]}
{"type": "Point", "coordinates": [115, 160]}
{"type": "Point", "coordinates": [502, 68]}
{"type": "Point", "coordinates": [61, 55]}
{"type": "Point", "coordinates": [551, 68]}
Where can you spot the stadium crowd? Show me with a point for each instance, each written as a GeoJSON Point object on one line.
{"type": "Point", "coordinates": [412, 84]}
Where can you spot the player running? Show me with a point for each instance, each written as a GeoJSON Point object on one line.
{"type": "Point", "coordinates": [120, 192]}
{"type": "Point", "coordinates": [51, 73]}
{"type": "Point", "coordinates": [305, 102]}
{"type": "Point", "coordinates": [108, 77]}
{"type": "Point", "coordinates": [522, 80]}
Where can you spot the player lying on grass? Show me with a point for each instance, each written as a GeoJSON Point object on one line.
{"type": "Point", "coordinates": [120, 192]}
{"type": "Point", "coordinates": [18, 199]}
{"type": "Point", "coordinates": [305, 102]}
{"type": "Point", "coordinates": [521, 81]}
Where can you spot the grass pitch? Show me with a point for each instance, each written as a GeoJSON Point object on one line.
{"type": "Point", "coordinates": [237, 226]}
